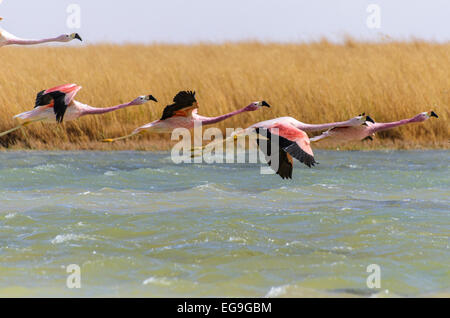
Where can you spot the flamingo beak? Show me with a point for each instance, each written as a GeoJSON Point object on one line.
{"type": "Point", "coordinates": [433, 114]}
{"type": "Point", "coordinates": [150, 97]}
{"type": "Point", "coordinates": [370, 119]}
{"type": "Point", "coordinates": [78, 37]}
{"type": "Point", "coordinates": [264, 103]}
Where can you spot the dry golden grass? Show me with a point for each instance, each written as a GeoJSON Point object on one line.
{"type": "Point", "coordinates": [315, 83]}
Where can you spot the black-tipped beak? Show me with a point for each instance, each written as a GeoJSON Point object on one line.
{"type": "Point", "coordinates": [150, 97]}
{"type": "Point", "coordinates": [370, 119]}
{"type": "Point", "coordinates": [77, 36]}
{"type": "Point", "coordinates": [264, 103]}
{"type": "Point", "coordinates": [433, 114]}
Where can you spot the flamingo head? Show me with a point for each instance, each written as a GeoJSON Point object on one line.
{"type": "Point", "coordinates": [143, 99]}
{"type": "Point", "coordinates": [365, 119]}
{"type": "Point", "coordinates": [424, 116]}
{"type": "Point", "coordinates": [433, 114]}
{"type": "Point", "coordinates": [358, 120]}
{"type": "Point", "coordinates": [369, 119]}
{"type": "Point", "coordinates": [256, 105]}
{"type": "Point", "coordinates": [69, 37]}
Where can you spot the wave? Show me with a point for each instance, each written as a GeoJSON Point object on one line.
{"type": "Point", "coordinates": [61, 238]}
{"type": "Point", "coordinates": [297, 291]}
{"type": "Point", "coordinates": [161, 281]}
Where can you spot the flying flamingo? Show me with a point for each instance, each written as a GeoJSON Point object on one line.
{"type": "Point", "coordinates": [57, 104]}
{"type": "Point", "coordinates": [368, 129]}
{"type": "Point", "coordinates": [293, 142]}
{"type": "Point", "coordinates": [7, 38]}
{"type": "Point", "coordinates": [355, 121]}
{"type": "Point", "coordinates": [183, 114]}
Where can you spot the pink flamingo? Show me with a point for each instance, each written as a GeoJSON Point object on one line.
{"type": "Point", "coordinates": [57, 104]}
{"type": "Point", "coordinates": [355, 121]}
{"type": "Point", "coordinates": [7, 38]}
{"type": "Point", "coordinates": [183, 114]}
{"type": "Point", "coordinates": [293, 142]}
{"type": "Point", "coordinates": [293, 132]}
{"type": "Point", "coordinates": [368, 129]}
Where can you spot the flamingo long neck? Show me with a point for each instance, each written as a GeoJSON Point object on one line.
{"type": "Point", "coordinates": [385, 126]}
{"type": "Point", "coordinates": [213, 120]}
{"type": "Point", "coordinates": [321, 127]}
{"type": "Point", "coordinates": [19, 41]}
{"type": "Point", "coordinates": [89, 110]}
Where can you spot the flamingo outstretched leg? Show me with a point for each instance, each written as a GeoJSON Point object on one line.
{"type": "Point", "coordinates": [120, 138]}
{"type": "Point", "coordinates": [19, 127]}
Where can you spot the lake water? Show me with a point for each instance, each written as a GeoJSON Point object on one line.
{"type": "Point", "coordinates": [139, 225]}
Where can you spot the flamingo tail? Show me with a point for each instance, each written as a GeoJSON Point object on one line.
{"type": "Point", "coordinates": [36, 112]}
{"type": "Point", "coordinates": [320, 137]}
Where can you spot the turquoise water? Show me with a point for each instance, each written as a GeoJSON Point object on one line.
{"type": "Point", "coordinates": [139, 225]}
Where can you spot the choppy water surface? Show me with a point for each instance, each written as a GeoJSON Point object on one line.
{"type": "Point", "coordinates": [139, 225]}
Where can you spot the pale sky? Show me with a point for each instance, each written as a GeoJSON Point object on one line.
{"type": "Point", "coordinates": [189, 21]}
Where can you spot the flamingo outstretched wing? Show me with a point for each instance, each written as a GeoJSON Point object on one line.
{"type": "Point", "coordinates": [59, 97]}
{"type": "Point", "coordinates": [183, 102]}
{"type": "Point", "coordinates": [293, 143]}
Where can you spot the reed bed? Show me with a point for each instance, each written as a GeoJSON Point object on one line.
{"type": "Point", "coordinates": [315, 83]}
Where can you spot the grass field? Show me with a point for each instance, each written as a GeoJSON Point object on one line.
{"type": "Point", "coordinates": [315, 83]}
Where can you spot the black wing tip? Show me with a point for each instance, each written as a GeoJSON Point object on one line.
{"type": "Point", "coordinates": [38, 101]}
{"type": "Point", "coordinates": [182, 100]}
{"type": "Point", "coordinates": [185, 97]}
{"type": "Point", "coordinates": [60, 114]}
{"type": "Point", "coordinates": [59, 105]}
{"type": "Point", "coordinates": [289, 147]}
{"type": "Point", "coordinates": [298, 153]}
{"type": "Point", "coordinates": [284, 177]}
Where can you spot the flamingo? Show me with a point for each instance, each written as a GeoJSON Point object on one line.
{"type": "Point", "coordinates": [7, 38]}
{"type": "Point", "coordinates": [183, 114]}
{"type": "Point", "coordinates": [292, 138]}
{"type": "Point", "coordinates": [57, 104]}
{"type": "Point", "coordinates": [368, 129]}
{"type": "Point", "coordinates": [355, 121]}
{"type": "Point", "coordinates": [293, 142]}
